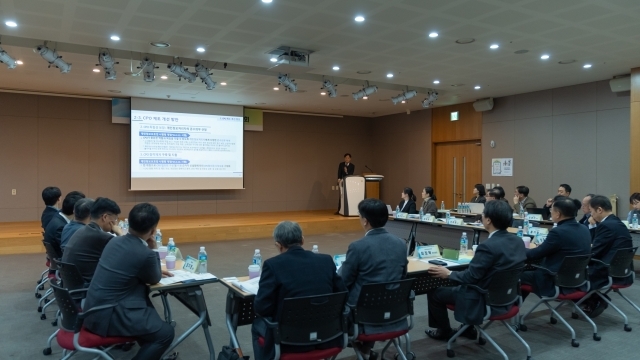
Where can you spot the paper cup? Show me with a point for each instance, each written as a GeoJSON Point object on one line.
{"type": "Point", "coordinates": [527, 241]}
{"type": "Point", "coordinates": [254, 271]}
{"type": "Point", "coordinates": [474, 247]}
{"type": "Point", "coordinates": [162, 252]}
{"type": "Point", "coordinates": [170, 261]}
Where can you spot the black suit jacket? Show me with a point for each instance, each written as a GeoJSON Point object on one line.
{"type": "Point", "coordinates": [295, 273]}
{"type": "Point", "coordinates": [569, 238]}
{"type": "Point", "coordinates": [85, 248]}
{"type": "Point", "coordinates": [610, 235]}
{"type": "Point", "coordinates": [124, 271]}
{"type": "Point", "coordinates": [479, 199]}
{"type": "Point", "coordinates": [53, 233]}
{"type": "Point", "coordinates": [410, 208]}
{"type": "Point", "coordinates": [585, 219]}
{"type": "Point", "coordinates": [47, 214]}
{"type": "Point", "coordinates": [350, 170]}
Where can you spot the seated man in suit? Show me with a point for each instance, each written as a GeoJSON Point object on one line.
{"type": "Point", "coordinates": [610, 235]}
{"type": "Point", "coordinates": [81, 216]}
{"type": "Point", "coordinates": [521, 199]}
{"type": "Point", "coordinates": [293, 273]}
{"type": "Point", "coordinates": [51, 196]}
{"type": "Point", "coordinates": [634, 201]}
{"type": "Point", "coordinates": [563, 190]}
{"type": "Point", "coordinates": [567, 239]}
{"type": "Point", "coordinates": [87, 244]}
{"type": "Point", "coordinates": [493, 194]}
{"type": "Point", "coordinates": [502, 195]}
{"type": "Point", "coordinates": [377, 257]}
{"type": "Point", "coordinates": [53, 231]}
{"type": "Point", "coordinates": [501, 251]}
{"type": "Point", "coordinates": [586, 211]}
{"type": "Point", "coordinates": [127, 266]}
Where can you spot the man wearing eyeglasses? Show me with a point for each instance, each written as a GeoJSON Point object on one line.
{"type": "Point", "coordinates": [86, 245]}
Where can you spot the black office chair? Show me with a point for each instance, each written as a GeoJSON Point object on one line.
{"type": "Point", "coordinates": [384, 304]}
{"type": "Point", "coordinates": [71, 276]}
{"type": "Point", "coordinates": [44, 301]}
{"type": "Point", "coordinates": [310, 321]}
{"type": "Point", "coordinates": [503, 290]}
{"type": "Point", "coordinates": [571, 275]}
{"type": "Point", "coordinates": [619, 269]}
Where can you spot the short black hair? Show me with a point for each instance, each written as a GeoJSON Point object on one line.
{"type": "Point", "coordinates": [102, 206]}
{"type": "Point", "coordinates": [500, 214]}
{"type": "Point", "coordinates": [375, 211]}
{"type": "Point", "coordinates": [494, 193]}
{"type": "Point", "coordinates": [143, 217]}
{"type": "Point", "coordinates": [51, 195]}
{"type": "Point", "coordinates": [480, 189]}
{"type": "Point", "coordinates": [566, 206]}
{"type": "Point", "coordinates": [523, 190]}
{"type": "Point", "coordinates": [600, 201]}
{"type": "Point", "coordinates": [69, 202]}
{"type": "Point", "coordinates": [347, 154]}
{"type": "Point", "coordinates": [500, 190]}
{"type": "Point", "coordinates": [566, 187]}
{"type": "Point", "coordinates": [634, 196]}
{"type": "Point", "coordinates": [82, 209]}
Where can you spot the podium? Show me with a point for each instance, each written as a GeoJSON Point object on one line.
{"type": "Point", "coordinates": [351, 193]}
{"type": "Point", "coordinates": [372, 185]}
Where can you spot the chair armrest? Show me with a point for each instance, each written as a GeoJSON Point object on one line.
{"type": "Point", "coordinates": [270, 324]}
{"type": "Point", "coordinates": [538, 267]}
{"type": "Point", "coordinates": [412, 298]}
{"type": "Point", "coordinates": [275, 328]}
{"type": "Point", "coordinates": [81, 316]}
{"type": "Point", "coordinates": [78, 294]}
{"type": "Point", "coordinates": [478, 288]}
{"type": "Point", "coordinates": [598, 262]}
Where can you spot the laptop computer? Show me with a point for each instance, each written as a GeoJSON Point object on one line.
{"type": "Point", "coordinates": [389, 210]}
{"type": "Point", "coordinates": [540, 211]}
{"type": "Point", "coordinates": [476, 208]}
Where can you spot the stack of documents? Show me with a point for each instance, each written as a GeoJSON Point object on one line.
{"type": "Point", "coordinates": [182, 275]}
{"type": "Point", "coordinates": [251, 286]}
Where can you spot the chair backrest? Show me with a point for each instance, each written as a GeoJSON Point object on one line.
{"type": "Point", "coordinates": [71, 276]}
{"type": "Point", "coordinates": [312, 320]}
{"type": "Point", "coordinates": [504, 287]}
{"type": "Point", "coordinates": [384, 303]}
{"type": "Point", "coordinates": [621, 263]}
{"type": "Point", "coordinates": [51, 254]}
{"type": "Point", "coordinates": [68, 308]}
{"type": "Point", "coordinates": [573, 271]}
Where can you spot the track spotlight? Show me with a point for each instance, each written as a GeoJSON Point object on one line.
{"type": "Point", "coordinates": [106, 61]}
{"type": "Point", "coordinates": [432, 96]}
{"type": "Point", "coordinates": [148, 69]}
{"type": "Point", "coordinates": [7, 59]}
{"type": "Point", "coordinates": [404, 96]}
{"type": "Point", "coordinates": [205, 76]}
{"type": "Point", "coordinates": [288, 83]}
{"type": "Point", "coordinates": [330, 87]}
{"type": "Point", "coordinates": [366, 91]}
{"type": "Point", "coordinates": [52, 57]}
{"type": "Point", "coordinates": [182, 72]}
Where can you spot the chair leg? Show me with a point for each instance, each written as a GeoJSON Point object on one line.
{"type": "Point", "coordinates": [455, 336]}
{"type": "Point", "coordinates": [398, 346]}
{"type": "Point", "coordinates": [624, 316]}
{"type": "Point", "coordinates": [574, 342]}
{"type": "Point", "coordinates": [627, 299]}
{"type": "Point", "coordinates": [384, 349]}
{"type": "Point", "coordinates": [508, 326]}
{"type": "Point", "coordinates": [521, 318]}
{"type": "Point", "coordinates": [68, 354]}
{"type": "Point", "coordinates": [408, 346]}
{"type": "Point", "coordinates": [481, 331]}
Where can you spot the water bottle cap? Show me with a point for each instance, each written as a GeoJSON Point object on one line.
{"type": "Point", "coordinates": [201, 248]}
{"type": "Point", "coordinates": [464, 234]}
{"type": "Point", "coordinates": [126, 219]}
{"type": "Point", "coordinates": [170, 239]}
{"type": "Point", "coordinates": [315, 246]}
{"type": "Point", "coordinates": [157, 231]}
{"type": "Point", "coordinates": [519, 227]}
{"type": "Point", "coordinates": [257, 251]}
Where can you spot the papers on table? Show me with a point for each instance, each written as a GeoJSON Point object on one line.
{"type": "Point", "coordinates": [250, 286]}
{"type": "Point", "coordinates": [449, 262]}
{"type": "Point", "coordinates": [182, 275]}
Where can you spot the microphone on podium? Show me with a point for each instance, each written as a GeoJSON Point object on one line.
{"type": "Point", "coordinates": [368, 168]}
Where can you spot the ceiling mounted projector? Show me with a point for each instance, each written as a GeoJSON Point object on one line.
{"type": "Point", "coordinates": [290, 60]}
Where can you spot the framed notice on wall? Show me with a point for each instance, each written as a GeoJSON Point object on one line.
{"type": "Point", "coordinates": [502, 167]}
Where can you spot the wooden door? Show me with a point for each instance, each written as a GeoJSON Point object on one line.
{"type": "Point", "coordinates": [457, 168]}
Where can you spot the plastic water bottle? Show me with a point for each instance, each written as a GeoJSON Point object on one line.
{"type": "Point", "coordinates": [459, 207]}
{"type": "Point", "coordinates": [397, 211]}
{"type": "Point", "coordinates": [521, 212]}
{"type": "Point", "coordinates": [126, 226]}
{"type": "Point", "coordinates": [257, 258]}
{"type": "Point", "coordinates": [525, 226]}
{"type": "Point", "coordinates": [519, 231]}
{"type": "Point", "coordinates": [158, 238]}
{"type": "Point", "coordinates": [171, 247]}
{"type": "Point", "coordinates": [635, 221]}
{"type": "Point", "coordinates": [202, 261]}
{"type": "Point", "coordinates": [555, 225]}
{"type": "Point", "coordinates": [314, 249]}
{"type": "Point", "coordinates": [463, 244]}
{"type": "Point", "coordinates": [448, 216]}
{"type": "Point", "coordinates": [421, 214]}
{"type": "Point", "coordinates": [442, 205]}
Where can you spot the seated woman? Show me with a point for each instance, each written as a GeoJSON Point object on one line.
{"type": "Point", "coordinates": [634, 200]}
{"type": "Point", "coordinates": [478, 194]}
{"type": "Point", "coordinates": [429, 205]}
{"type": "Point", "coordinates": [408, 203]}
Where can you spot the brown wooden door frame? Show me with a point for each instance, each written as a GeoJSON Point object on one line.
{"type": "Point", "coordinates": [442, 177]}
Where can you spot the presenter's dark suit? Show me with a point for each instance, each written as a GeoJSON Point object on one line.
{"type": "Point", "coordinates": [409, 208]}
{"type": "Point", "coordinates": [53, 233]}
{"type": "Point", "coordinates": [610, 235]}
{"type": "Point", "coordinates": [124, 271]}
{"type": "Point", "coordinates": [294, 273]}
{"type": "Point", "coordinates": [85, 248]}
{"type": "Point", "coordinates": [478, 199]}
{"type": "Point", "coordinates": [569, 238]}
{"type": "Point", "coordinates": [341, 174]}
{"type": "Point", "coordinates": [501, 251]}
{"type": "Point", "coordinates": [47, 214]}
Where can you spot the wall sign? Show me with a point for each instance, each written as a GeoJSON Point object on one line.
{"type": "Point", "coordinates": [454, 116]}
{"type": "Point", "coordinates": [502, 167]}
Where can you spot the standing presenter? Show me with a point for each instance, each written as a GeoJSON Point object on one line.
{"type": "Point", "coordinates": [345, 168]}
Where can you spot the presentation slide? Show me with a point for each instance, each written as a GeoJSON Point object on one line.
{"type": "Point", "coordinates": [180, 151]}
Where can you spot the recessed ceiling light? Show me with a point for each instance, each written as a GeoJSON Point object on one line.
{"type": "Point", "coordinates": [544, 57]}
{"type": "Point", "coordinates": [363, 72]}
{"type": "Point", "coordinates": [118, 91]}
{"type": "Point", "coordinates": [19, 62]}
{"type": "Point", "coordinates": [11, 23]}
{"type": "Point", "coordinates": [323, 93]}
{"type": "Point", "coordinates": [436, 81]}
{"type": "Point", "coordinates": [164, 77]}
{"type": "Point", "coordinates": [359, 18]}
{"type": "Point", "coordinates": [160, 44]}
{"type": "Point", "coordinates": [494, 46]}
{"type": "Point", "coordinates": [273, 59]}
{"type": "Point", "coordinates": [336, 68]}
{"type": "Point", "coordinates": [96, 70]}
{"type": "Point", "coordinates": [200, 49]}
{"type": "Point", "coordinates": [586, 66]}
{"type": "Point", "coordinates": [464, 41]}
{"type": "Point", "coordinates": [565, 62]}
{"type": "Point", "coordinates": [404, 102]}
{"type": "Point", "coordinates": [223, 83]}
{"type": "Point", "coordinates": [477, 87]}
{"type": "Point", "coordinates": [276, 89]}
{"type": "Point", "coordinates": [433, 35]}
{"type": "Point", "coordinates": [389, 75]}
{"type": "Point", "coordinates": [115, 37]}
{"type": "Point", "coordinates": [365, 98]}
{"type": "Point", "coordinates": [267, 1]}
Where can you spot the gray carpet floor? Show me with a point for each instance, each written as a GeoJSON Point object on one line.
{"type": "Point", "coordinates": [24, 335]}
